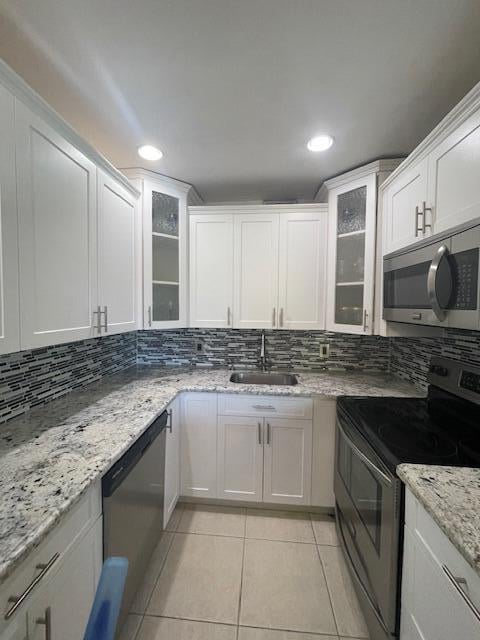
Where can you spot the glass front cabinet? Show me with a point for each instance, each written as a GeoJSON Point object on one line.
{"type": "Point", "coordinates": [351, 257]}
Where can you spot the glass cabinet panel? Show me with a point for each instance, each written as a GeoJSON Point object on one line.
{"type": "Point", "coordinates": [350, 265]}
{"type": "Point", "coordinates": [165, 257]}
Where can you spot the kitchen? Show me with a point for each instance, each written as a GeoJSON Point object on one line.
{"type": "Point", "coordinates": [240, 328]}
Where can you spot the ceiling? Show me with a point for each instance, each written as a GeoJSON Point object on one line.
{"type": "Point", "coordinates": [231, 90]}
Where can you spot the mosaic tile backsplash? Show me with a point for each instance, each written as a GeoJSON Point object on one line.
{"type": "Point", "coordinates": [240, 348]}
{"type": "Point", "coordinates": [30, 378]}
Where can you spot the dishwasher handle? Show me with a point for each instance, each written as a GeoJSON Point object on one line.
{"type": "Point", "coordinates": [120, 470]}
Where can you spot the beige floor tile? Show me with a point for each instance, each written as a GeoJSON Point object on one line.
{"type": "Point", "coordinates": [200, 579]}
{"type": "Point", "coordinates": [130, 627]}
{"type": "Point", "coordinates": [288, 526]}
{"type": "Point", "coordinates": [250, 633]}
{"type": "Point", "coordinates": [349, 618]}
{"type": "Point", "coordinates": [171, 629]}
{"type": "Point", "coordinates": [175, 518]}
{"type": "Point", "coordinates": [324, 529]}
{"type": "Point", "coordinates": [284, 588]}
{"type": "Point", "coordinates": [220, 521]}
{"type": "Point", "coordinates": [143, 594]}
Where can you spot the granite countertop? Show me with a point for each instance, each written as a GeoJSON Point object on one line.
{"type": "Point", "coordinates": [52, 454]}
{"type": "Point", "coordinates": [451, 495]}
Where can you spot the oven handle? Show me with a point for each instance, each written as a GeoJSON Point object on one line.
{"type": "Point", "coordinates": [387, 480]}
{"type": "Point", "coordinates": [442, 253]}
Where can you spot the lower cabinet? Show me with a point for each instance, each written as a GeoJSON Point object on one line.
{"type": "Point", "coordinates": [198, 450]}
{"type": "Point", "coordinates": [440, 591]}
{"type": "Point", "coordinates": [172, 461]}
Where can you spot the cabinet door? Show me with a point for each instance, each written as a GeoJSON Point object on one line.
{"type": "Point", "coordinates": [211, 270]}
{"type": "Point", "coordinates": [172, 461]}
{"type": "Point", "coordinates": [116, 255]}
{"type": "Point", "coordinates": [240, 458]}
{"type": "Point", "coordinates": [302, 262]}
{"type": "Point", "coordinates": [453, 170]}
{"type": "Point", "coordinates": [64, 603]}
{"type": "Point", "coordinates": [256, 271]}
{"type": "Point", "coordinates": [198, 448]}
{"type": "Point", "coordinates": [400, 198]}
{"type": "Point", "coordinates": [164, 256]}
{"type": "Point", "coordinates": [57, 235]}
{"type": "Point", "coordinates": [287, 461]}
{"type": "Point", "coordinates": [323, 452]}
{"type": "Point", "coordinates": [9, 316]}
{"type": "Point", "coordinates": [351, 256]}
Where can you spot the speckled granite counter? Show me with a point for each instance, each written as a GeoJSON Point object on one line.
{"type": "Point", "coordinates": [451, 495]}
{"type": "Point", "coordinates": [49, 456]}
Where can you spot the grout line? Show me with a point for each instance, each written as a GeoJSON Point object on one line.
{"type": "Point", "coordinates": [156, 615]}
{"type": "Point", "coordinates": [241, 584]}
{"type": "Point", "coordinates": [164, 562]}
{"type": "Point", "coordinates": [330, 597]}
{"type": "Point", "coordinates": [307, 633]}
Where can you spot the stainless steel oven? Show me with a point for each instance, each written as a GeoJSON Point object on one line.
{"type": "Point", "coordinates": [436, 281]}
{"type": "Point", "coordinates": [368, 506]}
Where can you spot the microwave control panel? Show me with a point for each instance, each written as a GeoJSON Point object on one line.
{"type": "Point", "coordinates": [465, 269]}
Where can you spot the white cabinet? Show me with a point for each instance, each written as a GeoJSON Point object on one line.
{"type": "Point", "coordinates": [57, 235]}
{"type": "Point", "coordinates": [453, 170]}
{"type": "Point", "coordinates": [198, 449]}
{"type": "Point", "coordinates": [256, 270]}
{"type": "Point", "coordinates": [405, 215]}
{"type": "Point", "coordinates": [172, 460]}
{"type": "Point", "coordinates": [287, 461]}
{"type": "Point", "coordinates": [440, 591]}
{"type": "Point", "coordinates": [302, 270]}
{"type": "Point", "coordinates": [211, 270]}
{"type": "Point", "coordinates": [351, 255]}
{"type": "Point", "coordinates": [9, 313]}
{"type": "Point", "coordinates": [240, 458]}
{"type": "Point", "coordinates": [116, 256]}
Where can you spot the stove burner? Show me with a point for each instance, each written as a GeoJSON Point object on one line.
{"type": "Point", "coordinates": [417, 440]}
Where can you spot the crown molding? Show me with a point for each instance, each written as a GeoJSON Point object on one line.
{"type": "Point", "coordinates": [377, 166]}
{"type": "Point", "coordinates": [194, 197]}
{"type": "Point", "coordinates": [461, 112]}
{"type": "Point", "coordinates": [23, 92]}
{"type": "Point", "coordinates": [258, 208]}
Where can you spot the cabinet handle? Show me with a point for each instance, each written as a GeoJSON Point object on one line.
{"type": "Point", "coordinates": [105, 324]}
{"type": "Point", "coordinates": [229, 317]}
{"type": "Point", "coordinates": [268, 433]}
{"type": "Point", "coordinates": [98, 324]}
{"type": "Point", "coordinates": [259, 433]}
{"type": "Point", "coordinates": [280, 319]}
{"type": "Point", "coordinates": [426, 226]}
{"type": "Point", "coordinates": [457, 582]}
{"type": "Point", "coordinates": [365, 319]}
{"type": "Point", "coordinates": [47, 621]}
{"type": "Point", "coordinates": [19, 600]}
{"type": "Point", "coordinates": [149, 312]}
{"type": "Point", "coordinates": [170, 420]}
{"type": "Point", "coordinates": [418, 229]}
{"type": "Point", "coordinates": [274, 317]}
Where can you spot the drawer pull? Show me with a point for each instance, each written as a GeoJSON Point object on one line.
{"type": "Point", "coordinates": [47, 621]}
{"type": "Point", "coordinates": [457, 582]}
{"type": "Point", "coordinates": [19, 600]}
{"type": "Point", "coordinates": [264, 407]}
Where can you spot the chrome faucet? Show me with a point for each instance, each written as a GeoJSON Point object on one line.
{"type": "Point", "coordinates": [264, 364]}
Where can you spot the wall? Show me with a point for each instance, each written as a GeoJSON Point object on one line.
{"type": "Point", "coordinates": [30, 378]}
{"type": "Point", "coordinates": [410, 357]}
{"type": "Point", "coordinates": [240, 347]}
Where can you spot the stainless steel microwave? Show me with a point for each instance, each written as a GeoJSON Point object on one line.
{"type": "Point", "coordinates": [435, 281]}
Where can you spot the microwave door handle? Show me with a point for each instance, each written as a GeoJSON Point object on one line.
{"type": "Point", "coordinates": [364, 458]}
{"type": "Point", "coordinates": [442, 253]}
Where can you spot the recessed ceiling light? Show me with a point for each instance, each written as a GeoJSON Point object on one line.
{"type": "Point", "coordinates": [320, 143]}
{"type": "Point", "coordinates": [149, 153]}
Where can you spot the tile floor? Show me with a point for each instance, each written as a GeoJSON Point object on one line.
{"type": "Point", "coordinates": [226, 573]}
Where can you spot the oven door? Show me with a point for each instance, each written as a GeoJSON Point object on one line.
{"type": "Point", "coordinates": [368, 500]}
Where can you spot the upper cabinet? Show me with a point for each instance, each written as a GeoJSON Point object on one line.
{"type": "Point", "coordinates": [258, 267]}
{"type": "Point", "coordinates": [9, 312]}
{"type": "Point", "coordinates": [165, 237]}
{"type": "Point", "coordinates": [57, 235]}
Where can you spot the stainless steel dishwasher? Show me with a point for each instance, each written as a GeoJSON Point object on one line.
{"type": "Point", "coordinates": [133, 497]}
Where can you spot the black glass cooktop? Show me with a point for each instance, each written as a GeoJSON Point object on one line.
{"type": "Point", "coordinates": [442, 430]}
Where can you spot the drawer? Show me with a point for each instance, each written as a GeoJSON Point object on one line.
{"type": "Point", "coordinates": [49, 554]}
{"type": "Point", "coordinates": [253, 405]}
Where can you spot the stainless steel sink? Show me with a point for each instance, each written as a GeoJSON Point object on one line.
{"type": "Point", "coordinates": [261, 377]}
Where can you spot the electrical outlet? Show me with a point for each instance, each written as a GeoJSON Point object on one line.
{"type": "Point", "coordinates": [324, 350]}
{"type": "Point", "coordinates": [199, 347]}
